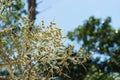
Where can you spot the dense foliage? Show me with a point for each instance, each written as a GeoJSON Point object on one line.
{"type": "Point", "coordinates": [99, 37]}
{"type": "Point", "coordinates": [38, 53]}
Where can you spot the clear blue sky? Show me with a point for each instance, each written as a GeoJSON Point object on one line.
{"type": "Point", "coordinates": [68, 14]}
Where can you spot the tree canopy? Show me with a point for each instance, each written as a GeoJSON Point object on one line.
{"type": "Point", "coordinates": [99, 37]}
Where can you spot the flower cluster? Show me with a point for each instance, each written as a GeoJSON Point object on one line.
{"type": "Point", "coordinates": [37, 53]}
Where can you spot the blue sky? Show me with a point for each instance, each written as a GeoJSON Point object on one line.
{"type": "Point", "coordinates": [68, 14]}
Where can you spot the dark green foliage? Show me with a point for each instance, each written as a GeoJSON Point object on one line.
{"type": "Point", "coordinates": [99, 37]}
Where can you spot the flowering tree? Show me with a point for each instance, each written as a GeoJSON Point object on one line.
{"type": "Point", "coordinates": [33, 54]}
